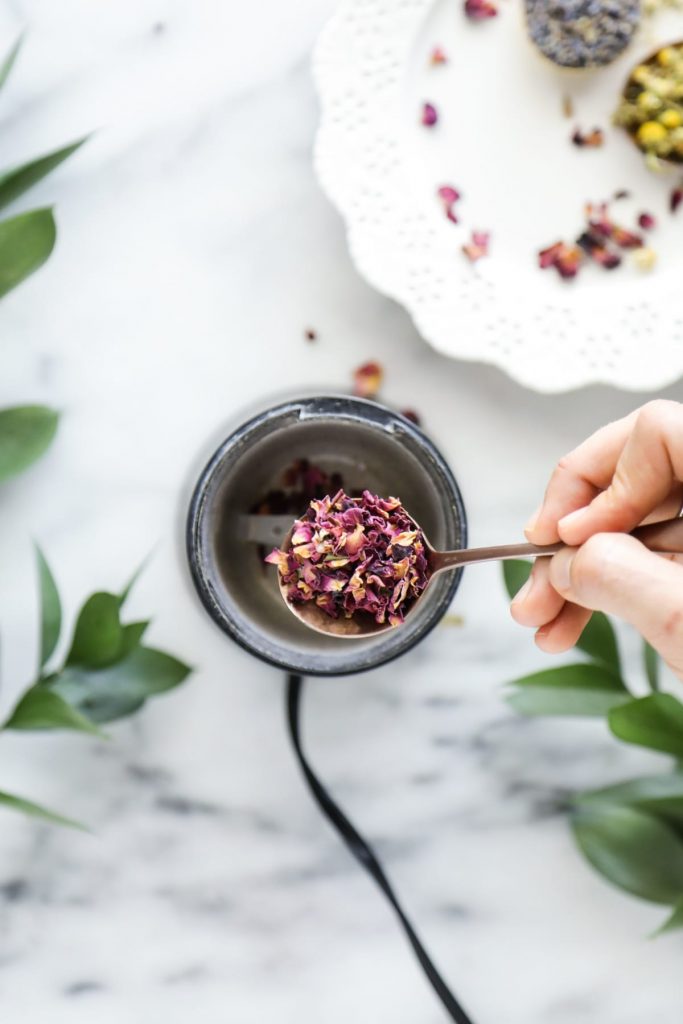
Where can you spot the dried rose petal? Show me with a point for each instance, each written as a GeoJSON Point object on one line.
{"type": "Point", "coordinates": [365, 555]}
{"type": "Point", "coordinates": [480, 10]}
{"type": "Point", "coordinates": [646, 221]}
{"type": "Point", "coordinates": [367, 380]}
{"type": "Point", "coordinates": [591, 140]}
{"type": "Point", "coordinates": [429, 115]}
{"type": "Point", "coordinates": [411, 415]}
{"type": "Point", "coordinates": [478, 247]}
{"type": "Point", "coordinates": [598, 251]}
{"type": "Point", "coordinates": [437, 57]}
{"type": "Point", "coordinates": [566, 259]}
{"type": "Point", "coordinates": [676, 198]}
{"type": "Point", "coordinates": [310, 334]}
{"type": "Point", "coordinates": [449, 197]}
{"type": "Point", "coordinates": [626, 239]}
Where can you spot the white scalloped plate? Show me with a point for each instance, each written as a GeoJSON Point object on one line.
{"type": "Point", "coordinates": [503, 142]}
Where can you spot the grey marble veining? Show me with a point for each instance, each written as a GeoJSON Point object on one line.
{"type": "Point", "coordinates": [194, 249]}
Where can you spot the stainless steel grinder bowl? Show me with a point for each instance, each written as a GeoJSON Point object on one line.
{"type": "Point", "coordinates": [370, 446]}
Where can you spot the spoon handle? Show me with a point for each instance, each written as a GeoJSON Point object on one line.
{"type": "Point", "coordinates": [665, 538]}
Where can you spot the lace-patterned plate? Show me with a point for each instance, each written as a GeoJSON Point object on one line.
{"type": "Point", "coordinates": [503, 141]}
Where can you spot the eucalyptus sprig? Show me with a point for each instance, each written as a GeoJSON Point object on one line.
{"type": "Point", "coordinates": [632, 833]}
{"type": "Point", "coordinates": [26, 243]}
{"type": "Point", "coordinates": [107, 673]}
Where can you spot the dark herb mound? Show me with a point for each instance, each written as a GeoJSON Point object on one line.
{"type": "Point", "coordinates": [353, 555]}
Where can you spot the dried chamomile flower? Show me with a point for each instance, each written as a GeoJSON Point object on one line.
{"type": "Point", "coordinates": [651, 107]}
{"type": "Point", "coordinates": [644, 258]}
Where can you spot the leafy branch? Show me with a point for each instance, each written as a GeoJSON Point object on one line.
{"type": "Point", "coordinates": [631, 833]}
{"type": "Point", "coordinates": [26, 243]}
{"type": "Point", "coordinates": [107, 674]}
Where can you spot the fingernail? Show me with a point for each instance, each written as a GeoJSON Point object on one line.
{"type": "Point", "coordinates": [533, 520]}
{"type": "Point", "coordinates": [573, 517]}
{"type": "Point", "coordinates": [523, 591]}
{"type": "Point", "coordinates": [561, 569]}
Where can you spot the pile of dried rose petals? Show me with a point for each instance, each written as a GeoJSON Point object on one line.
{"type": "Point", "coordinates": [601, 241]}
{"type": "Point", "coordinates": [353, 555]}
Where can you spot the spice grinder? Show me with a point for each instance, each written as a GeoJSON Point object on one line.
{"type": "Point", "coordinates": [368, 446]}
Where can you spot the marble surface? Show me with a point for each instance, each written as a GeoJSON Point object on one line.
{"type": "Point", "coordinates": [194, 249]}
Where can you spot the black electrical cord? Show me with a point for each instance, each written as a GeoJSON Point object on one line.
{"type": "Point", "coordinates": [363, 852]}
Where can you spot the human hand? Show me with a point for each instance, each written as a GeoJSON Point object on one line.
{"type": "Point", "coordinates": [627, 473]}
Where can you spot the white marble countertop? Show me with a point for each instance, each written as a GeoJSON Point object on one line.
{"type": "Point", "coordinates": [194, 248]}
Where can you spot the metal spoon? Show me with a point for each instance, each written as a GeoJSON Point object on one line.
{"type": "Point", "coordinates": [665, 538]}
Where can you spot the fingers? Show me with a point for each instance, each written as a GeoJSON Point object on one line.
{"type": "Point", "coordinates": [647, 470]}
{"type": "Point", "coordinates": [579, 477]}
{"type": "Point", "coordinates": [564, 631]}
{"type": "Point", "coordinates": [614, 573]}
{"type": "Point", "coordinates": [537, 602]}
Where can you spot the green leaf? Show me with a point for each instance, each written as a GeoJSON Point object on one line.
{"type": "Point", "coordinates": [42, 708]}
{"type": "Point", "coordinates": [581, 689]}
{"type": "Point", "coordinates": [17, 180]}
{"type": "Point", "coordinates": [17, 803]}
{"type": "Point", "coordinates": [26, 242]}
{"type": "Point", "coordinates": [655, 722]}
{"type": "Point", "coordinates": [50, 609]}
{"type": "Point", "coordinates": [98, 637]}
{"type": "Point", "coordinates": [132, 635]}
{"type": "Point", "coordinates": [117, 691]}
{"type": "Point", "coordinates": [661, 795]}
{"type": "Point", "coordinates": [26, 432]}
{"type": "Point", "coordinates": [515, 573]}
{"type": "Point", "coordinates": [599, 641]}
{"type": "Point", "coordinates": [8, 62]}
{"type": "Point", "coordinates": [651, 663]}
{"type": "Point", "coordinates": [673, 923]}
{"type": "Point", "coordinates": [633, 850]}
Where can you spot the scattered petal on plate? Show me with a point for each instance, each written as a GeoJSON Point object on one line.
{"type": "Point", "coordinates": [676, 198]}
{"type": "Point", "coordinates": [367, 380]}
{"type": "Point", "coordinates": [623, 193]}
{"type": "Point", "coordinates": [480, 10]}
{"type": "Point", "coordinates": [429, 115]}
{"type": "Point", "coordinates": [310, 334]}
{"type": "Point", "coordinates": [589, 140]}
{"type": "Point", "coordinates": [566, 259]}
{"type": "Point", "coordinates": [647, 222]}
{"type": "Point", "coordinates": [449, 197]}
{"type": "Point", "coordinates": [644, 258]}
{"type": "Point", "coordinates": [438, 57]}
{"type": "Point", "coordinates": [478, 246]}
{"type": "Point", "coordinates": [598, 251]}
{"type": "Point", "coordinates": [411, 415]}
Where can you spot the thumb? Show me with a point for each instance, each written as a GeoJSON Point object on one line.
{"type": "Point", "coordinates": [615, 573]}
